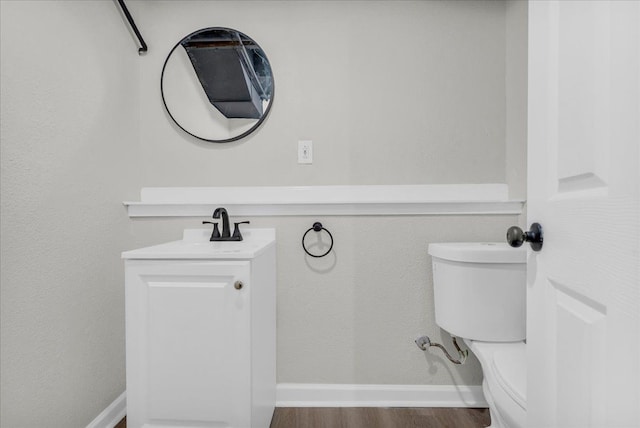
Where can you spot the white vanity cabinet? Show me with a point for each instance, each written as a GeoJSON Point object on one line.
{"type": "Point", "coordinates": [200, 324]}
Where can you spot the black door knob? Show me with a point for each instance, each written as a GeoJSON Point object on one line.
{"type": "Point", "coordinates": [516, 237]}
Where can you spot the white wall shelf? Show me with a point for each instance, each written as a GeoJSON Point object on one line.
{"type": "Point", "coordinates": [440, 199]}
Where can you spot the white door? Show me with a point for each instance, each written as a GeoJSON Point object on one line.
{"type": "Point", "coordinates": [188, 343]}
{"type": "Point", "coordinates": [583, 321]}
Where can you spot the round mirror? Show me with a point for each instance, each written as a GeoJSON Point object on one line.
{"type": "Point", "coordinates": [217, 84]}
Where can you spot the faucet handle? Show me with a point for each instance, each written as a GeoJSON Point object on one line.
{"type": "Point", "coordinates": [236, 230]}
{"type": "Point", "coordinates": [216, 232]}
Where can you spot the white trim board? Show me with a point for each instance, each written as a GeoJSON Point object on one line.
{"type": "Point", "coordinates": [436, 199]}
{"type": "Point", "coordinates": [113, 414]}
{"type": "Point", "coordinates": [341, 395]}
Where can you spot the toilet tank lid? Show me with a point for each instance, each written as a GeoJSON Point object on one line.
{"type": "Point", "coordinates": [478, 252]}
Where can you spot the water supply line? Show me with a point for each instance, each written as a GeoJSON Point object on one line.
{"type": "Point", "coordinates": [424, 343]}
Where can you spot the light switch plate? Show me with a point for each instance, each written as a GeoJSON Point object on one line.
{"type": "Point", "coordinates": [305, 151]}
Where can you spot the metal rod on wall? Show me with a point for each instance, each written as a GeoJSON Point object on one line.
{"type": "Point", "coordinates": [133, 26]}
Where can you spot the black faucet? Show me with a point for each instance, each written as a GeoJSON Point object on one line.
{"type": "Point", "coordinates": [225, 221]}
{"type": "Point", "coordinates": [226, 232]}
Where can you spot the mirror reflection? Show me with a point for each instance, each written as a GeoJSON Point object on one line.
{"type": "Point", "coordinates": [217, 84]}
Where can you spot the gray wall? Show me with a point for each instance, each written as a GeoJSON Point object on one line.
{"type": "Point", "coordinates": [516, 98]}
{"type": "Point", "coordinates": [390, 93]}
{"type": "Point", "coordinates": [69, 157]}
{"type": "Point", "coordinates": [352, 316]}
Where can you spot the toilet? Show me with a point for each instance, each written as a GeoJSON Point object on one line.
{"type": "Point", "coordinates": [480, 296]}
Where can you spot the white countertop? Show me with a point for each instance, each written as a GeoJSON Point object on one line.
{"type": "Point", "coordinates": [195, 244]}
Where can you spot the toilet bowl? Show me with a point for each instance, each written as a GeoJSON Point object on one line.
{"type": "Point", "coordinates": [480, 296]}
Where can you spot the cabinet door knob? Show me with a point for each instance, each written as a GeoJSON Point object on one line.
{"type": "Point", "coordinates": [238, 285]}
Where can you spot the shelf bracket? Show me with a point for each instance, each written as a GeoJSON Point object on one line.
{"type": "Point", "coordinates": [143, 45]}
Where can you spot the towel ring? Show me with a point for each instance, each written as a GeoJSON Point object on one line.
{"type": "Point", "coordinates": [317, 227]}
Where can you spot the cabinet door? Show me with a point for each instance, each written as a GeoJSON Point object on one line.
{"type": "Point", "coordinates": [188, 343]}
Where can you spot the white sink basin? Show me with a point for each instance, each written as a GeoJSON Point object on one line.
{"type": "Point", "coordinates": [195, 244]}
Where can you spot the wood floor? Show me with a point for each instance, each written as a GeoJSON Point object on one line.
{"type": "Point", "coordinates": [375, 417]}
{"type": "Point", "coordinates": [379, 417]}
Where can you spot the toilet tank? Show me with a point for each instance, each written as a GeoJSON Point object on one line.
{"type": "Point", "coordinates": [480, 290]}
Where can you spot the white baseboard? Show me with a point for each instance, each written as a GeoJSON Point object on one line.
{"type": "Point", "coordinates": [340, 395]}
{"type": "Point", "coordinates": [113, 414]}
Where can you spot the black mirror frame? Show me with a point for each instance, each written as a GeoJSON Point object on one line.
{"type": "Point", "coordinates": [228, 140]}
